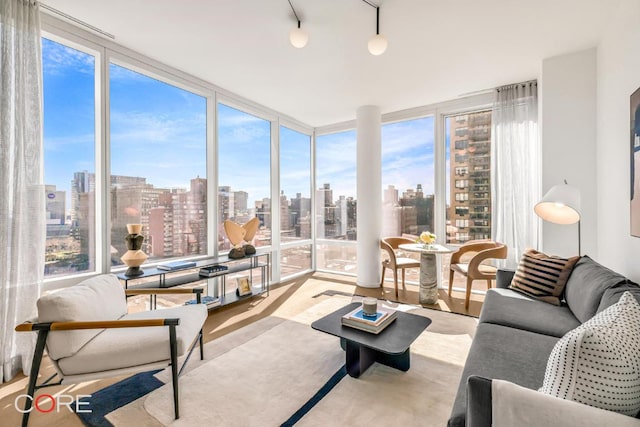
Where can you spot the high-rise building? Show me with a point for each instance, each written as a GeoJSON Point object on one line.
{"type": "Point", "coordinates": [55, 202]}
{"type": "Point", "coordinates": [225, 203]}
{"type": "Point", "coordinates": [286, 228]}
{"type": "Point", "coordinates": [240, 201]}
{"type": "Point", "coordinates": [299, 207]}
{"type": "Point", "coordinates": [417, 211]}
{"type": "Point", "coordinates": [83, 224]}
{"type": "Point", "coordinates": [469, 213]}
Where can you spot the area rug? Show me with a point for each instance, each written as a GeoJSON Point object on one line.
{"type": "Point", "coordinates": [266, 373]}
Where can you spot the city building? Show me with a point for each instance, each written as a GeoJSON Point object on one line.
{"type": "Point", "coordinates": [470, 173]}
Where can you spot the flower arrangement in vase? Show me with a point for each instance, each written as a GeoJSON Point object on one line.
{"type": "Point", "coordinates": [427, 239]}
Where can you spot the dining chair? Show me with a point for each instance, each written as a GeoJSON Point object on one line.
{"type": "Point", "coordinates": [472, 267]}
{"type": "Point", "coordinates": [394, 262]}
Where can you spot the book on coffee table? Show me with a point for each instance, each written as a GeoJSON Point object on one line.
{"type": "Point", "coordinates": [374, 324]}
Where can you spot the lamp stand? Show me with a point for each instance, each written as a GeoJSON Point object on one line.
{"type": "Point", "coordinates": [579, 251]}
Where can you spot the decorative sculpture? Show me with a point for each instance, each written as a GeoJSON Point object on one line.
{"type": "Point", "coordinates": [240, 236]}
{"type": "Point", "coordinates": [134, 257]}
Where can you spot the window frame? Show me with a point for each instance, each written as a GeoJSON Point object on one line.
{"type": "Point", "coordinates": [106, 51]}
{"type": "Point", "coordinates": [73, 41]}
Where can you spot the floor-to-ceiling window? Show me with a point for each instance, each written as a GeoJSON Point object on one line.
{"type": "Point", "coordinates": [295, 202]}
{"type": "Point", "coordinates": [158, 169]}
{"type": "Point", "coordinates": [158, 165]}
{"type": "Point", "coordinates": [408, 187]}
{"type": "Point", "coordinates": [244, 165]}
{"type": "Point", "coordinates": [69, 77]}
{"type": "Point", "coordinates": [336, 204]}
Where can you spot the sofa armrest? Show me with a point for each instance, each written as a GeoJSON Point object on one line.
{"type": "Point", "coordinates": [478, 402]}
{"type": "Point", "coordinates": [515, 405]}
{"type": "Point", "coordinates": [503, 277]}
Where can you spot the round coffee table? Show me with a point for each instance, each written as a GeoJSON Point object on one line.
{"type": "Point", "coordinates": [428, 269]}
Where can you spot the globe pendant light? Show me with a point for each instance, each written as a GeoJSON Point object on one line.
{"type": "Point", "coordinates": [298, 37]}
{"type": "Point", "coordinates": [378, 43]}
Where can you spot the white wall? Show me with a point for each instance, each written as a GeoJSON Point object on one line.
{"type": "Point", "coordinates": [618, 77]}
{"type": "Point", "coordinates": [568, 98]}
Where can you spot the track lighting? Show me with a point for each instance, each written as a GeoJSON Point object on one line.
{"type": "Point", "coordinates": [377, 44]}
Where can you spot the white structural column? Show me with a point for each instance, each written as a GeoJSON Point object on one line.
{"type": "Point", "coordinates": [369, 195]}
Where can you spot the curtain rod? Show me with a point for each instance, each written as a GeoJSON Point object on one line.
{"type": "Point", "coordinates": [76, 20]}
{"type": "Point", "coordinates": [523, 84]}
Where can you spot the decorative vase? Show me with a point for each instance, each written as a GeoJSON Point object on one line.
{"type": "Point", "coordinates": [134, 257]}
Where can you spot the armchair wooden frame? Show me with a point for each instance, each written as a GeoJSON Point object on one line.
{"type": "Point", "coordinates": [474, 270]}
{"type": "Point", "coordinates": [390, 244]}
{"type": "Point", "coordinates": [43, 331]}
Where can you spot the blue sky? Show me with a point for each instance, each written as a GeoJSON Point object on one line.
{"type": "Point", "coordinates": [158, 131]}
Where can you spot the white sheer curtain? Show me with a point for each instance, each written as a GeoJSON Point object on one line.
{"type": "Point", "coordinates": [515, 153]}
{"type": "Point", "coordinates": [22, 207]}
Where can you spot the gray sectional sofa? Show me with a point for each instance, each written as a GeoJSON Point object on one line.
{"type": "Point", "coordinates": [516, 334]}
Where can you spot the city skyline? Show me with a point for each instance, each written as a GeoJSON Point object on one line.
{"type": "Point", "coordinates": [148, 118]}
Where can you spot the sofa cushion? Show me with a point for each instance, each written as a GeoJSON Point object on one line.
{"type": "Point", "coordinates": [510, 308]}
{"type": "Point", "coordinates": [542, 276]}
{"type": "Point", "coordinates": [125, 347]}
{"type": "Point", "coordinates": [613, 294]}
{"type": "Point", "coordinates": [598, 363]}
{"type": "Point", "coordinates": [98, 298]}
{"type": "Point", "coordinates": [587, 284]}
{"type": "Point", "coordinates": [503, 353]}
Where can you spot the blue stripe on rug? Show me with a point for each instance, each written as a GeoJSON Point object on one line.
{"type": "Point", "coordinates": [316, 398]}
{"type": "Point", "coordinates": [116, 396]}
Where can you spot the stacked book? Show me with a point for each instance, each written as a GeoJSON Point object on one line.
{"type": "Point", "coordinates": [212, 270]}
{"type": "Point", "coordinates": [374, 323]}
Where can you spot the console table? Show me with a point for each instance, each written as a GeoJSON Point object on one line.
{"type": "Point", "coordinates": [153, 277]}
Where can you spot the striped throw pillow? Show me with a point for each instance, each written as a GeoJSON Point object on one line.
{"type": "Point", "coordinates": [598, 363]}
{"type": "Point", "coordinates": [542, 276]}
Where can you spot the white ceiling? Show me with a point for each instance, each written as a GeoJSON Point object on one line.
{"type": "Point", "coordinates": [438, 49]}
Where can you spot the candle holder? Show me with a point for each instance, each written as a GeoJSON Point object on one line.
{"type": "Point", "coordinates": [369, 307]}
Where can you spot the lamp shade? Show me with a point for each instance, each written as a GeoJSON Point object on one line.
{"type": "Point", "coordinates": [377, 44]}
{"type": "Point", "coordinates": [561, 205]}
{"type": "Point", "coordinates": [298, 37]}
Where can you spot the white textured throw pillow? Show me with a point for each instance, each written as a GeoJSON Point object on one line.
{"type": "Point", "coordinates": [598, 363]}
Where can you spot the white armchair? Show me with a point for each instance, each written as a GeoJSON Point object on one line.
{"type": "Point", "coordinates": [89, 335]}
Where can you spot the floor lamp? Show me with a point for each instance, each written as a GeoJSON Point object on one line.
{"type": "Point", "coordinates": [561, 205]}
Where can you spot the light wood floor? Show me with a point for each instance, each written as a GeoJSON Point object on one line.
{"type": "Point", "coordinates": [293, 296]}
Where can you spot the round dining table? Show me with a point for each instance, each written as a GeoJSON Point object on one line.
{"type": "Point", "coordinates": [428, 269]}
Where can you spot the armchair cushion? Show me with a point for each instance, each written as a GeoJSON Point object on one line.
{"type": "Point", "coordinates": [542, 276]}
{"type": "Point", "coordinates": [97, 298]}
{"type": "Point", "coordinates": [124, 347]}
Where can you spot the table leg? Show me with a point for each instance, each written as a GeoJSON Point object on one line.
{"type": "Point", "coordinates": [359, 358]}
{"type": "Point", "coordinates": [428, 279]}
